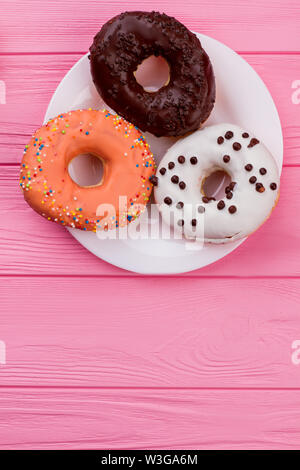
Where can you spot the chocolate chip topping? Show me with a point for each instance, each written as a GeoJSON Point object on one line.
{"type": "Point", "coordinates": [220, 140]}
{"type": "Point", "coordinates": [194, 222]}
{"type": "Point", "coordinates": [175, 179]}
{"type": "Point", "coordinates": [171, 165]}
{"type": "Point", "coordinates": [168, 201]}
{"type": "Point", "coordinates": [154, 180]}
{"type": "Point", "coordinates": [232, 185]}
{"type": "Point", "coordinates": [182, 185]}
{"type": "Point", "coordinates": [245, 135]}
{"type": "Point", "coordinates": [229, 195]}
{"type": "Point", "coordinates": [227, 189]}
{"type": "Point", "coordinates": [129, 38]}
{"type": "Point", "coordinates": [232, 209]}
{"type": "Point", "coordinates": [248, 167]}
{"type": "Point", "coordinates": [252, 180]}
{"type": "Point", "coordinates": [221, 205]}
{"type": "Point", "coordinates": [194, 160]}
{"type": "Point", "coordinates": [207, 199]}
{"type": "Point", "coordinates": [179, 205]}
{"type": "Point", "coordinates": [259, 187]}
{"type": "Point", "coordinates": [201, 209]}
{"type": "Point", "coordinates": [229, 135]}
{"type": "Point", "coordinates": [236, 146]}
{"type": "Point", "coordinates": [162, 171]}
{"type": "Point", "coordinates": [253, 142]}
{"type": "Point", "coordinates": [180, 222]}
{"type": "Point", "coordinates": [181, 159]}
{"type": "Point", "coordinates": [226, 158]}
{"type": "Point", "coordinates": [273, 186]}
{"type": "Point", "coordinates": [262, 171]}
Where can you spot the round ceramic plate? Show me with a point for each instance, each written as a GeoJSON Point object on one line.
{"type": "Point", "coordinates": [242, 99]}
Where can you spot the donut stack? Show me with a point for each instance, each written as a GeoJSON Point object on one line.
{"type": "Point", "coordinates": [178, 109]}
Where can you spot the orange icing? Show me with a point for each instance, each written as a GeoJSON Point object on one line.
{"type": "Point", "coordinates": [127, 161]}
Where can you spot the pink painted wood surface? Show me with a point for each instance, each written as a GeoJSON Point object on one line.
{"type": "Point", "coordinates": [149, 419]}
{"type": "Point", "coordinates": [148, 332]}
{"type": "Point", "coordinates": [200, 361]}
{"type": "Point", "coordinates": [32, 79]}
{"type": "Point", "coordinates": [62, 26]}
{"type": "Point", "coordinates": [31, 245]}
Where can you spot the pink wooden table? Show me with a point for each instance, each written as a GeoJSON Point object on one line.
{"type": "Point", "coordinates": [100, 358]}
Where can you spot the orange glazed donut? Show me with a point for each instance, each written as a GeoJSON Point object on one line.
{"type": "Point", "coordinates": [127, 166]}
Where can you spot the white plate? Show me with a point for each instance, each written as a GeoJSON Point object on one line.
{"type": "Point", "coordinates": [242, 99]}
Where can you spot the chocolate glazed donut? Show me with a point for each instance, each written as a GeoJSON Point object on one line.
{"type": "Point", "coordinates": [123, 43]}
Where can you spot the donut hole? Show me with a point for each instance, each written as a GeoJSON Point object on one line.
{"type": "Point", "coordinates": [153, 73]}
{"type": "Point", "coordinates": [215, 183]}
{"type": "Point", "coordinates": [86, 170]}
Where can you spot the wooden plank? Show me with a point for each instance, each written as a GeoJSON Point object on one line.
{"type": "Point", "coordinates": [29, 244]}
{"type": "Point", "coordinates": [56, 25]}
{"type": "Point", "coordinates": [149, 419]}
{"type": "Point", "coordinates": [31, 80]}
{"type": "Point", "coordinates": [149, 332]}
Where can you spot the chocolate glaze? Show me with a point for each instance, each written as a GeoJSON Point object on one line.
{"type": "Point", "coordinates": [126, 41]}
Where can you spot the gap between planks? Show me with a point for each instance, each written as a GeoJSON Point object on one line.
{"type": "Point", "coordinates": [164, 389]}
{"type": "Point", "coordinates": [84, 52]}
{"type": "Point", "coordinates": [134, 275]}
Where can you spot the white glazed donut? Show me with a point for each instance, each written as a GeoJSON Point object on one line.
{"type": "Point", "coordinates": [249, 199]}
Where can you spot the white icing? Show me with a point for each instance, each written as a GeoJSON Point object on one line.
{"type": "Point", "coordinates": [219, 226]}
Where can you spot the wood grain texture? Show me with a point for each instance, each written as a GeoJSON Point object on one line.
{"type": "Point", "coordinates": [149, 419]}
{"type": "Point", "coordinates": [31, 80]}
{"type": "Point", "coordinates": [150, 332]}
{"type": "Point", "coordinates": [29, 244]}
{"type": "Point", "coordinates": [60, 26]}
